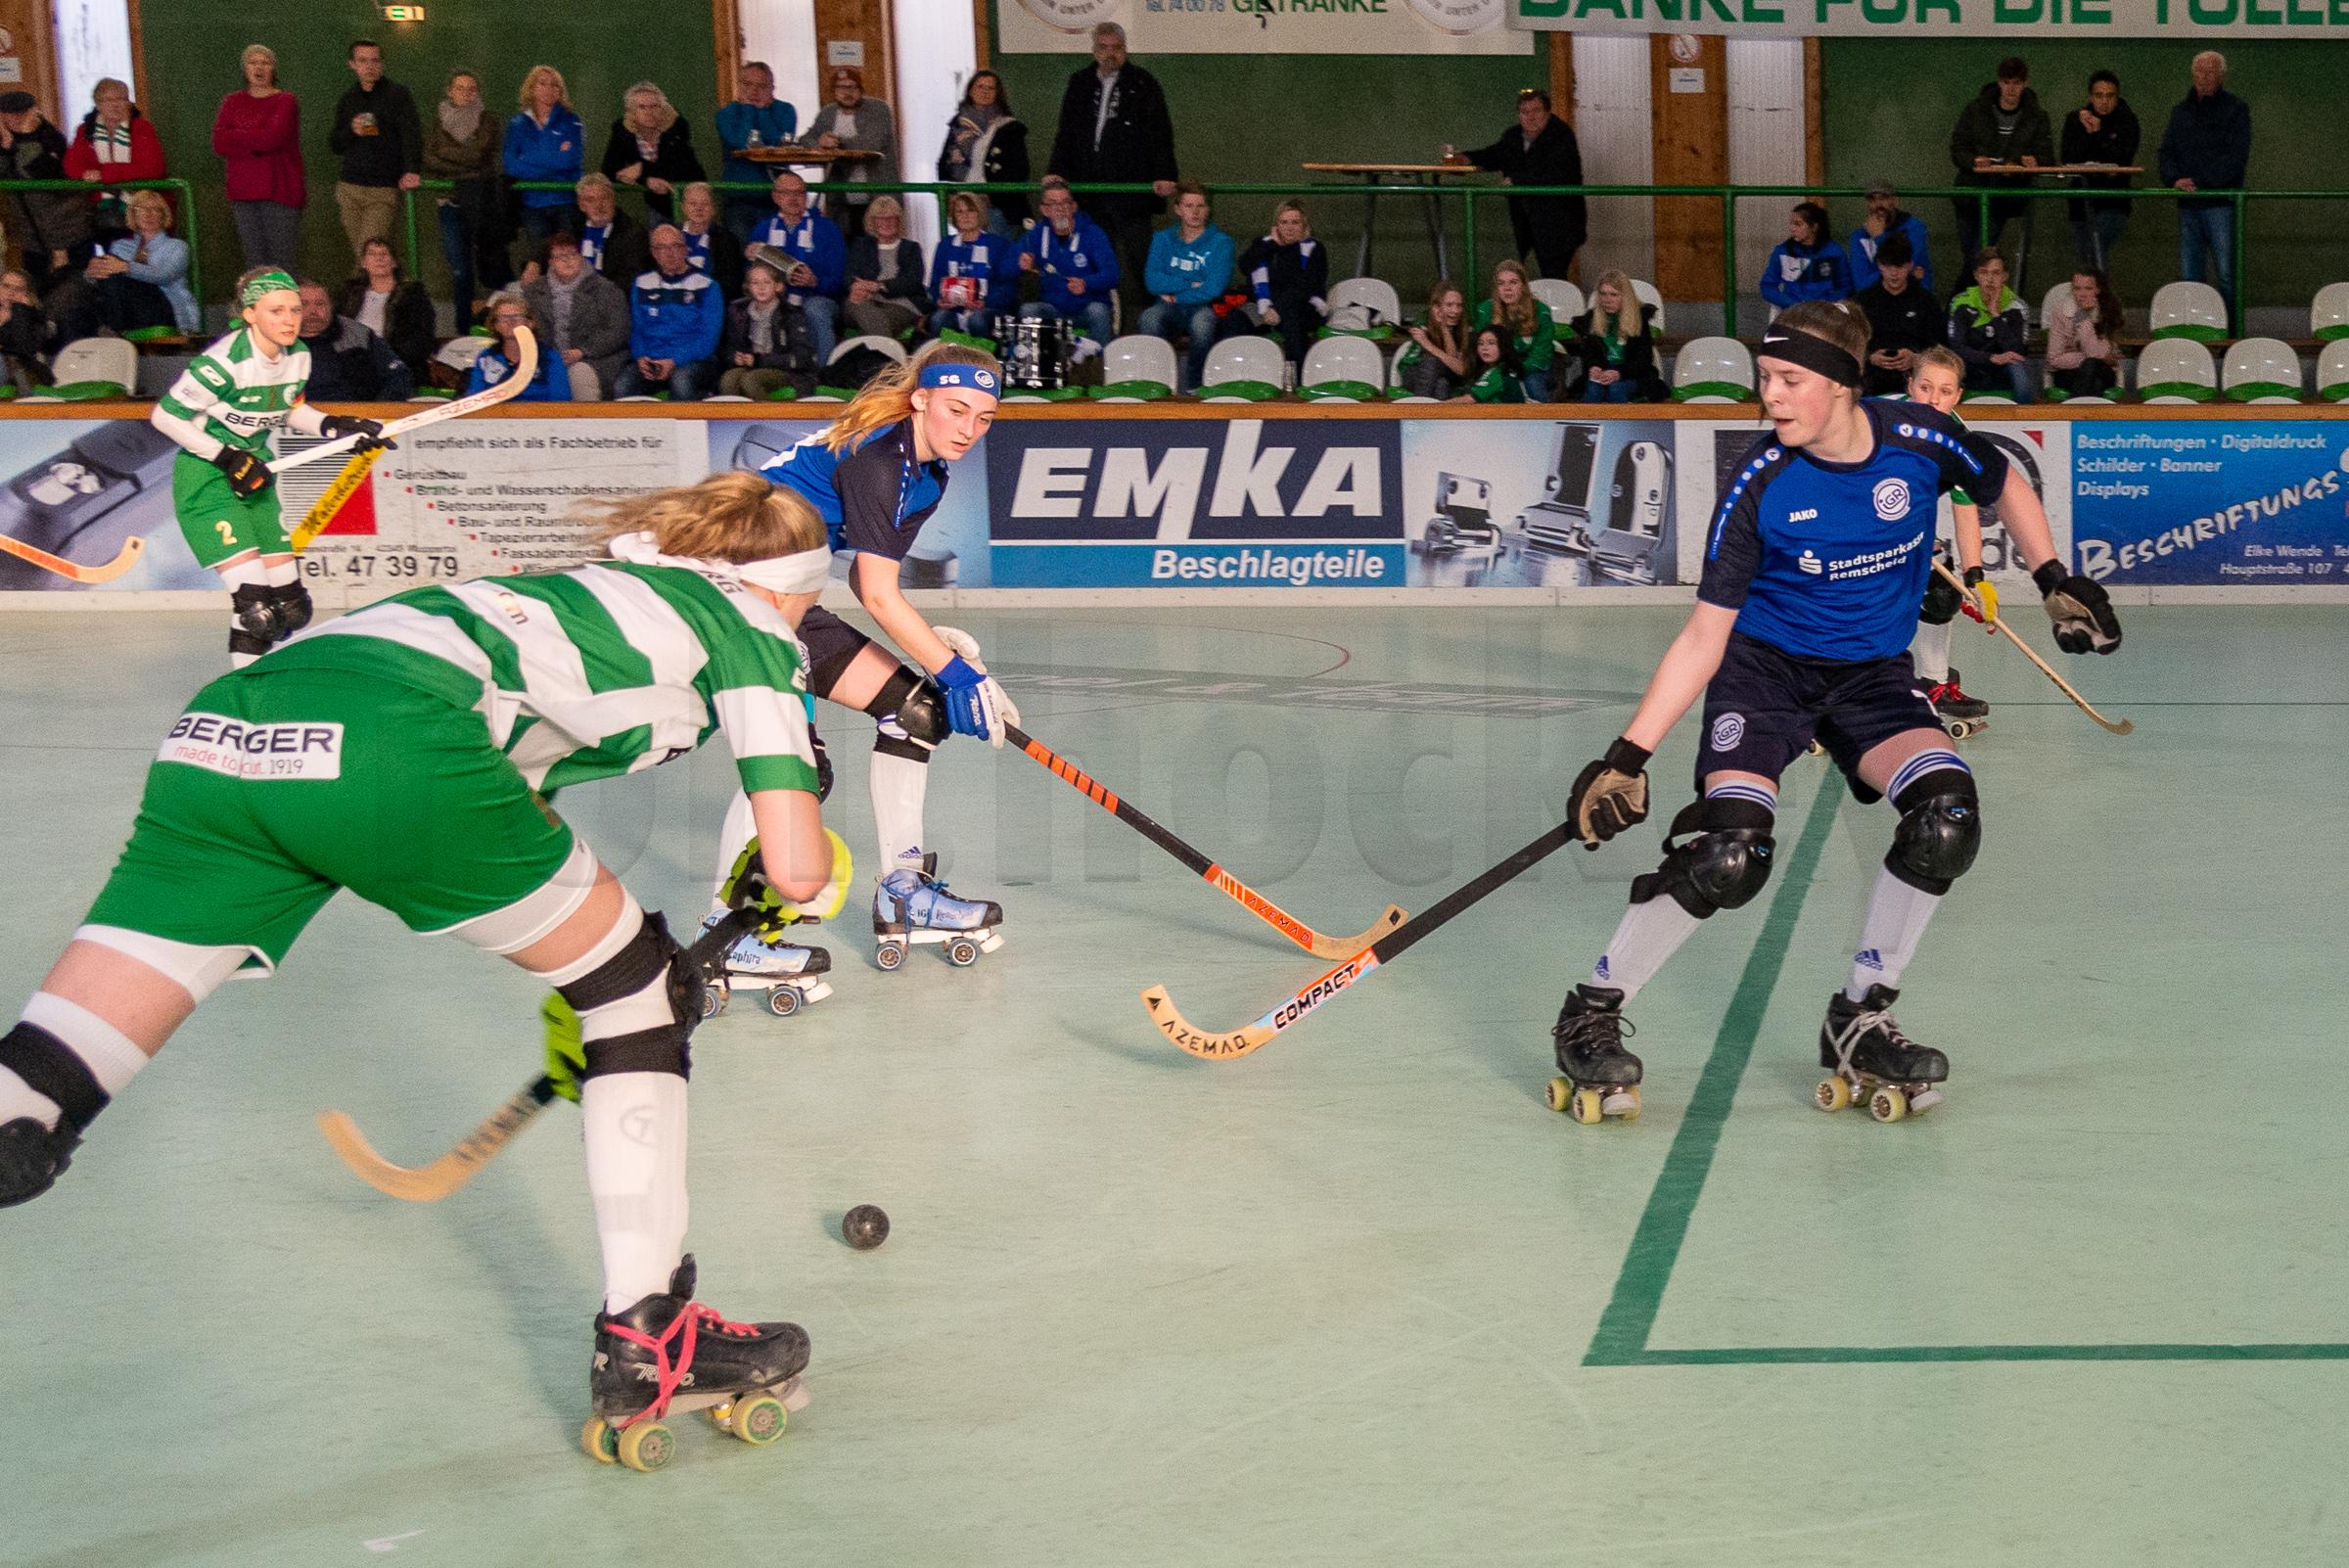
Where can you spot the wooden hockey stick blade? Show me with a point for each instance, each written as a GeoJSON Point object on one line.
{"type": "Point", "coordinates": [431, 1183]}
{"type": "Point", "coordinates": [2120, 726]}
{"type": "Point", "coordinates": [322, 512]}
{"type": "Point", "coordinates": [488, 397]}
{"type": "Point", "coordinates": [73, 570]}
{"type": "Point", "coordinates": [1214, 874]}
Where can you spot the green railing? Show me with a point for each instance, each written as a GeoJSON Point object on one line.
{"type": "Point", "coordinates": [183, 212]}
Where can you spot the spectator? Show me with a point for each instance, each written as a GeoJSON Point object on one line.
{"type": "Point", "coordinates": [258, 134]}
{"type": "Point", "coordinates": [140, 282]}
{"type": "Point", "coordinates": [2004, 124]}
{"type": "Point", "coordinates": [1287, 273]}
{"type": "Point", "coordinates": [986, 144]}
{"type": "Point", "coordinates": [1188, 271]}
{"type": "Point", "coordinates": [1885, 218]}
{"type": "Point", "coordinates": [1616, 341]}
{"type": "Point", "coordinates": [1539, 150]}
{"type": "Point", "coordinates": [1114, 130]}
{"type": "Point", "coordinates": [651, 148]}
{"type": "Point", "coordinates": [1435, 364]}
{"type": "Point", "coordinates": [1492, 368]}
{"type": "Point", "coordinates": [377, 137]}
{"type": "Point", "coordinates": [546, 141]}
{"type": "Point", "coordinates": [708, 246]}
{"type": "Point", "coordinates": [675, 318]}
{"type": "Point", "coordinates": [1805, 264]}
{"type": "Point", "coordinates": [116, 143]}
{"type": "Point", "coordinates": [348, 364]}
{"type": "Point", "coordinates": [586, 318]}
{"type": "Point", "coordinates": [2104, 132]}
{"type": "Point", "coordinates": [23, 333]}
{"type": "Point", "coordinates": [755, 117]}
{"type": "Point", "coordinates": [1904, 319]}
{"type": "Point", "coordinates": [972, 276]}
{"type": "Point", "coordinates": [613, 242]}
{"type": "Point", "coordinates": [1533, 333]}
{"type": "Point", "coordinates": [2207, 146]}
{"type": "Point", "coordinates": [766, 346]}
{"type": "Point", "coordinates": [1988, 330]}
{"type": "Point", "coordinates": [819, 257]}
{"type": "Point", "coordinates": [1074, 263]}
{"type": "Point", "coordinates": [393, 306]}
{"type": "Point", "coordinates": [886, 297]}
{"type": "Point", "coordinates": [507, 313]}
{"type": "Point", "coordinates": [56, 223]}
{"type": "Point", "coordinates": [461, 146]}
{"type": "Point", "coordinates": [852, 119]}
{"type": "Point", "coordinates": [2084, 337]}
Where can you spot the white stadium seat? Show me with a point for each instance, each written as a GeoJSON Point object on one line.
{"type": "Point", "coordinates": [1247, 358]}
{"type": "Point", "coordinates": [112, 361]}
{"type": "Point", "coordinates": [2333, 371]}
{"type": "Point", "coordinates": [2177, 370]}
{"type": "Point", "coordinates": [2261, 370]}
{"type": "Point", "coordinates": [1354, 359]}
{"type": "Point", "coordinates": [1363, 304]}
{"type": "Point", "coordinates": [1564, 300]}
{"type": "Point", "coordinates": [2193, 310]}
{"type": "Point", "coordinates": [1138, 356]}
{"type": "Point", "coordinates": [1713, 370]}
{"type": "Point", "coordinates": [886, 346]}
{"type": "Point", "coordinates": [1647, 294]}
{"type": "Point", "coordinates": [2328, 313]}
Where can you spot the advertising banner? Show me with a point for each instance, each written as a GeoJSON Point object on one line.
{"type": "Point", "coordinates": [1986, 22]}
{"type": "Point", "coordinates": [1264, 27]}
{"type": "Point", "coordinates": [2211, 502]}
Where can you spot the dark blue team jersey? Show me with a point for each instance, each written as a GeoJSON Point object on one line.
{"type": "Point", "coordinates": [1829, 560]}
{"type": "Point", "coordinates": [874, 498]}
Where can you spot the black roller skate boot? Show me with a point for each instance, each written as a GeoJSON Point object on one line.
{"type": "Point", "coordinates": [1601, 1079]}
{"type": "Point", "coordinates": [33, 1158]}
{"type": "Point", "coordinates": [1961, 715]}
{"type": "Point", "coordinates": [1873, 1063]}
{"type": "Point", "coordinates": [669, 1353]}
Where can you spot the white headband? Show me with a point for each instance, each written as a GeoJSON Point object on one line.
{"type": "Point", "coordinates": [802, 571]}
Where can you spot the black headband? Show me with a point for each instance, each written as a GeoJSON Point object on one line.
{"type": "Point", "coordinates": [1812, 352]}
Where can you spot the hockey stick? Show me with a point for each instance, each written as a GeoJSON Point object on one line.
{"type": "Point", "coordinates": [1389, 948]}
{"type": "Point", "coordinates": [1222, 881]}
{"type": "Point", "coordinates": [488, 397]}
{"type": "Point", "coordinates": [322, 511]}
{"type": "Point", "coordinates": [72, 572]}
{"type": "Point", "coordinates": [2124, 726]}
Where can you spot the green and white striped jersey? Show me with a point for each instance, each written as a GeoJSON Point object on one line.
{"type": "Point", "coordinates": [232, 394]}
{"type": "Point", "coordinates": [605, 670]}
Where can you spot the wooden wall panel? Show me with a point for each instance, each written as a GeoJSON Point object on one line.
{"type": "Point", "coordinates": [1692, 148]}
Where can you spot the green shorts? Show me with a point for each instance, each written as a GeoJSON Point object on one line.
{"type": "Point", "coordinates": [286, 781]}
{"type": "Point", "coordinates": [220, 524]}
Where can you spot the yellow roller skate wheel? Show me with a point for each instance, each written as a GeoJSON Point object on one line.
{"type": "Point", "coordinates": [596, 1438]}
{"type": "Point", "coordinates": [1560, 1094]}
{"type": "Point", "coordinates": [1888, 1104]}
{"type": "Point", "coordinates": [1834, 1094]}
{"type": "Point", "coordinates": [1588, 1107]}
{"type": "Point", "coordinates": [1632, 1112]}
{"type": "Point", "coordinates": [648, 1445]}
{"type": "Point", "coordinates": [758, 1419]}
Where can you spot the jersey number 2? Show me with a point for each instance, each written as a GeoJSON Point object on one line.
{"type": "Point", "coordinates": [228, 531]}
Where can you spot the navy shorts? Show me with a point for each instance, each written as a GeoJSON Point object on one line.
{"type": "Point", "coordinates": [1765, 706]}
{"type": "Point", "coordinates": [831, 643]}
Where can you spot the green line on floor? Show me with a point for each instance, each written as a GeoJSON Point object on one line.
{"type": "Point", "coordinates": [1852, 1355]}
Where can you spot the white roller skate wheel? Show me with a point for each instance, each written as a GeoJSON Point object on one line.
{"type": "Point", "coordinates": [1923, 1100]}
{"type": "Point", "coordinates": [815, 991]}
{"type": "Point", "coordinates": [1888, 1104]}
{"type": "Point", "coordinates": [792, 1394]}
{"type": "Point", "coordinates": [783, 1000]}
{"type": "Point", "coordinates": [991, 940]}
{"type": "Point", "coordinates": [962, 953]}
{"type": "Point", "coordinates": [1833, 1094]}
{"type": "Point", "coordinates": [890, 955]}
{"type": "Point", "coordinates": [1624, 1103]}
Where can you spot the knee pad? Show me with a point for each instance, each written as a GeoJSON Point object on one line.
{"type": "Point", "coordinates": [1940, 602]}
{"type": "Point", "coordinates": [256, 611]}
{"type": "Point", "coordinates": [1723, 862]}
{"type": "Point", "coordinates": [293, 604]}
{"type": "Point", "coordinates": [50, 1067]}
{"type": "Point", "coordinates": [1940, 830]}
{"type": "Point", "coordinates": [912, 715]}
{"type": "Point", "coordinates": [651, 955]}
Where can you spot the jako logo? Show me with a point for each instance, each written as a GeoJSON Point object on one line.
{"type": "Point", "coordinates": [1096, 485]}
{"type": "Point", "coordinates": [1810, 563]}
{"type": "Point", "coordinates": [1803, 515]}
{"type": "Point", "coordinates": [1892, 499]}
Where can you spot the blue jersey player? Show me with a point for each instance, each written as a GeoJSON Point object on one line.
{"type": "Point", "coordinates": [1815, 562]}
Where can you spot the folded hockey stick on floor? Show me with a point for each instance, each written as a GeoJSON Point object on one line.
{"type": "Point", "coordinates": [2123, 727]}
{"type": "Point", "coordinates": [488, 397]}
{"type": "Point", "coordinates": [1222, 881]}
{"type": "Point", "coordinates": [73, 570]}
{"type": "Point", "coordinates": [322, 511]}
{"type": "Point", "coordinates": [1386, 950]}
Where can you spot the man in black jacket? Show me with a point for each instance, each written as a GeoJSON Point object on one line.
{"type": "Point", "coordinates": [56, 231]}
{"type": "Point", "coordinates": [1114, 130]}
{"type": "Point", "coordinates": [2207, 146]}
{"type": "Point", "coordinates": [1539, 150]}
{"type": "Point", "coordinates": [2004, 124]}
{"type": "Point", "coordinates": [348, 362]}
{"type": "Point", "coordinates": [382, 147]}
{"type": "Point", "coordinates": [1904, 319]}
{"type": "Point", "coordinates": [2104, 132]}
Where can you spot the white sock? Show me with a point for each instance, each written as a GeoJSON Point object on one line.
{"type": "Point", "coordinates": [283, 574]}
{"type": "Point", "coordinates": [636, 1135]}
{"type": "Point", "coordinates": [900, 786]}
{"type": "Point", "coordinates": [1933, 651]}
{"type": "Point", "coordinates": [739, 827]}
{"type": "Point", "coordinates": [1650, 933]}
{"type": "Point", "coordinates": [1896, 921]}
{"type": "Point", "coordinates": [110, 1055]}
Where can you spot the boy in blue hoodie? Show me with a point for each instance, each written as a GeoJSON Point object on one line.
{"type": "Point", "coordinates": [1076, 263]}
{"type": "Point", "coordinates": [676, 314]}
{"type": "Point", "coordinates": [1188, 270]}
{"type": "Point", "coordinates": [1807, 264]}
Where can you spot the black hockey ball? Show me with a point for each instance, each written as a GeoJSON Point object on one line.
{"type": "Point", "coordinates": [865, 1226]}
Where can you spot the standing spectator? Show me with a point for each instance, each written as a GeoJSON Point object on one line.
{"type": "Point", "coordinates": [1074, 263]}
{"type": "Point", "coordinates": [2004, 124]}
{"type": "Point", "coordinates": [23, 333]}
{"type": "Point", "coordinates": [675, 318]}
{"type": "Point", "coordinates": [546, 141]}
{"type": "Point", "coordinates": [1616, 341]}
{"type": "Point", "coordinates": [1886, 218]}
{"type": "Point", "coordinates": [348, 364]}
{"type": "Point", "coordinates": [56, 223]}
{"type": "Point", "coordinates": [1188, 271]}
{"type": "Point", "coordinates": [2104, 132]}
{"type": "Point", "coordinates": [613, 242]}
{"type": "Point", "coordinates": [709, 245]}
{"type": "Point", "coordinates": [852, 119]}
{"type": "Point", "coordinates": [1287, 272]}
{"type": "Point", "coordinates": [1904, 319]}
{"type": "Point", "coordinates": [755, 117]}
{"type": "Point", "coordinates": [1988, 330]}
{"type": "Point", "coordinates": [1538, 150]}
{"type": "Point", "coordinates": [116, 143]}
{"type": "Point", "coordinates": [393, 306]}
{"type": "Point", "coordinates": [461, 146]}
{"type": "Point", "coordinates": [986, 144]}
{"type": "Point", "coordinates": [1435, 364]}
{"type": "Point", "coordinates": [818, 255]}
{"type": "Point", "coordinates": [972, 275]}
{"type": "Point", "coordinates": [886, 297]}
{"type": "Point", "coordinates": [585, 316]}
{"type": "Point", "coordinates": [508, 313]}
{"type": "Point", "coordinates": [258, 134]}
{"type": "Point", "coordinates": [140, 282]}
{"type": "Point", "coordinates": [2207, 146]}
{"type": "Point", "coordinates": [382, 147]}
{"type": "Point", "coordinates": [1114, 130]}
{"type": "Point", "coordinates": [1533, 332]}
{"type": "Point", "coordinates": [1492, 369]}
{"type": "Point", "coordinates": [766, 346]}
{"type": "Point", "coordinates": [651, 148]}
{"type": "Point", "coordinates": [1805, 264]}
{"type": "Point", "coordinates": [2084, 337]}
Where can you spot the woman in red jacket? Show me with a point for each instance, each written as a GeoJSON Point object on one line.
{"type": "Point", "coordinates": [116, 143]}
{"type": "Point", "coordinates": [258, 134]}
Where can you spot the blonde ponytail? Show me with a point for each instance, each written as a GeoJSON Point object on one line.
{"type": "Point", "coordinates": [735, 516]}
{"type": "Point", "coordinates": [889, 397]}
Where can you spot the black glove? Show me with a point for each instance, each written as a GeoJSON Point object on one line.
{"type": "Point", "coordinates": [1610, 795]}
{"type": "Point", "coordinates": [823, 768]}
{"type": "Point", "coordinates": [247, 475]}
{"type": "Point", "coordinates": [2081, 610]}
{"type": "Point", "coordinates": [333, 426]}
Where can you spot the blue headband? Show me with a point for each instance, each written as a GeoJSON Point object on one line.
{"type": "Point", "coordinates": [950, 374]}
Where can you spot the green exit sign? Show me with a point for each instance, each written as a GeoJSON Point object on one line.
{"type": "Point", "coordinates": [403, 13]}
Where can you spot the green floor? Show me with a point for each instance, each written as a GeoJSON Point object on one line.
{"type": "Point", "coordinates": [1356, 1299]}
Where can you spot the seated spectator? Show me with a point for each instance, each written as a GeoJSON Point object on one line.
{"type": "Point", "coordinates": [819, 257]}
{"type": "Point", "coordinates": [348, 363]}
{"type": "Point", "coordinates": [509, 312]}
{"type": "Point", "coordinates": [1903, 319]}
{"type": "Point", "coordinates": [1435, 364]}
{"type": "Point", "coordinates": [140, 282]}
{"type": "Point", "coordinates": [2105, 131]}
{"type": "Point", "coordinates": [767, 346]}
{"type": "Point", "coordinates": [23, 333]}
{"type": "Point", "coordinates": [116, 143]}
{"type": "Point", "coordinates": [651, 148]}
{"type": "Point", "coordinates": [853, 121]}
{"type": "Point", "coordinates": [1493, 367]}
{"type": "Point", "coordinates": [2084, 337]}
{"type": "Point", "coordinates": [1616, 342]}
{"type": "Point", "coordinates": [2004, 126]}
{"type": "Point", "coordinates": [461, 147]}
{"type": "Point", "coordinates": [886, 297]}
{"type": "Point", "coordinates": [972, 277]}
{"type": "Point", "coordinates": [1188, 271]}
{"type": "Point", "coordinates": [986, 144]}
{"type": "Point", "coordinates": [1287, 274]}
{"type": "Point", "coordinates": [1075, 264]}
{"type": "Point", "coordinates": [584, 316]}
{"type": "Point", "coordinates": [1532, 333]}
{"type": "Point", "coordinates": [1988, 328]}
{"type": "Point", "coordinates": [395, 308]}
{"type": "Point", "coordinates": [1885, 219]}
{"type": "Point", "coordinates": [755, 117]}
{"type": "Point", "coordinates": [613, 242]}
{"type": "Point", "coordinates": [546, 141]}
{"type": "Point", "coordinates": [52, 226]}
{"type": "Point", "coordinates": [675, 318]}
{"type": "Point", "coordinates": [1805, 264]}
{"type": "Point", "coordinates": [709, 245]}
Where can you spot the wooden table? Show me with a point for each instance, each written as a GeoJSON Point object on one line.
{"type": "Point", "coordinates": [791, 155]}
{"type": "Point", "coordinates": [2022, 252]}
{"type": "Point", "coordinates": [1375, 174]}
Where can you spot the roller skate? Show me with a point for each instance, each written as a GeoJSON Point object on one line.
{"type": "Point", "coordinates": [1871, 1062]}
{"type": "Point", "coordinates": [912, 908]}
{"type": "Point", "coordinates": [789, 976]}
{"type": "Point", "coordinates": [1600, 1078]}
{"type": "Point", "coordinates": [669, 1354]}
{"type": "Point", "coordinates": [33, 1158]}
{"type": "Point", "coordinates": [1963, 716]}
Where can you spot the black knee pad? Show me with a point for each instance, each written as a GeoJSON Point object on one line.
{"type": "Point", "coordinates": [912, 715]}
{"type": "Point", "coordinates": [48, 1066]}
{"type": "Point", "coordinates": [1940, 830]}
{"type": "Point", "coordinates": [254, 610]}
{"type": "Point", "coordinates": [1940, 602]}
{"type": "Point", "coordinates": [292, 603]}
{"type": "Point", "coordinates": [651, 955]}
{"type": "Point", "coordinates": [1723, 862]}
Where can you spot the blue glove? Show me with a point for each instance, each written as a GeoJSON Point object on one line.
{"type": "Point", "coordinates": [975, 704]}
